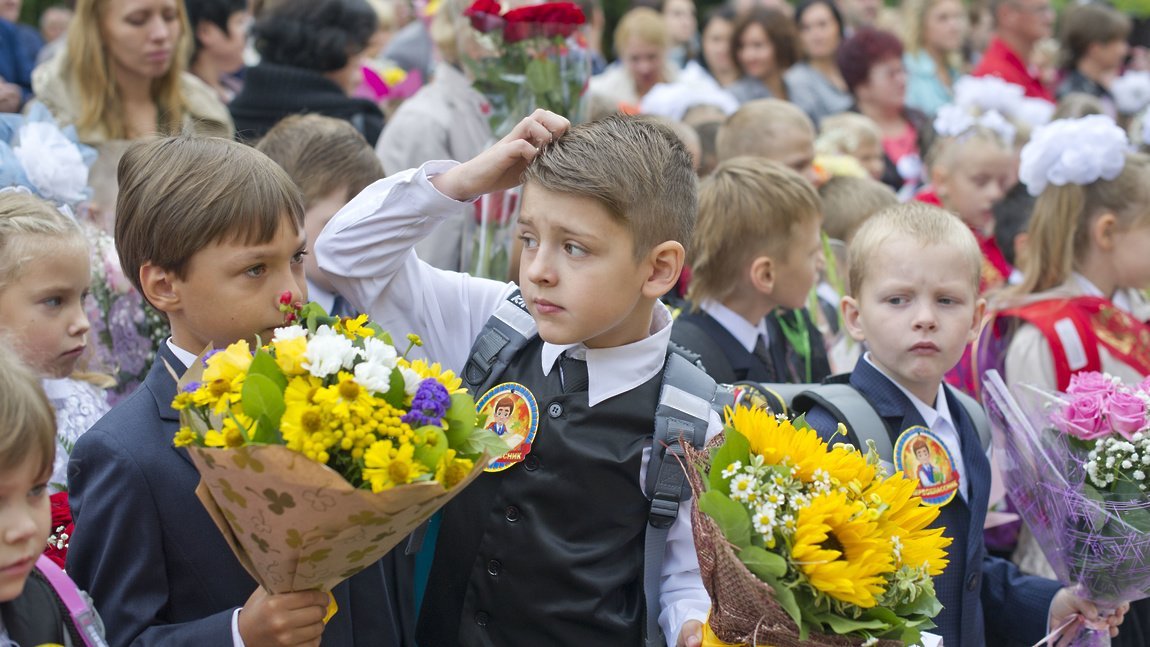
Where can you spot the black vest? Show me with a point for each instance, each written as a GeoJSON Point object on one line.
{"type": "Point", "coordinates": [727, 361]}
{"type": "Point", "coordinates": [549, 551]}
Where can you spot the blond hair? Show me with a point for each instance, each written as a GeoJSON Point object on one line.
{"type": "Point", "coordinates": [748, 207]}
{"type": "Point", "coordinates": [88, 68]}
{"type": "Point", "coordinates": [322, 154]}
{"type": "Point", "coordinates": [27, 420]}
{"type": "Point", "coordinates": [845, 133]}
{"type": "Point", "coordinates": [755, 126]}
{"type": "Point", "coordinates": [29, 227]}
{"type": "Point", "coordinates": [849, 201]}
{"type": "Point", "coordinates": [923, 223]}
{"type": "Point", "coordinates": [1060, 227]}
{"type": "Point", "coordinates": [635, 167]}
{"type": "Point", "coordinates": [181, 194]}
{"type": "Point", "coordinates": [944, 152]}
{"type": "Point", "coordinates": [645, 24]}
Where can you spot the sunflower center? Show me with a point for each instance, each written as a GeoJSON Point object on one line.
{"type": "Point", "coordinates": [311, 421]}
{"type": "Point", "coordinates": [833, 543]}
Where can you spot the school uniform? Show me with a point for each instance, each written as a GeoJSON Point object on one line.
{"type": "Point", "coordinates": [986, 600]}
{"type": "Point", "coordinates": [548, 551]}
{"type": "Point", "coordinates": [146, 550]}
{"type": "Point", "coordinates": [758, 353]}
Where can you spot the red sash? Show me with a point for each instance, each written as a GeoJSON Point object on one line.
{"type": "Point", "coordinates": [1097, 322]}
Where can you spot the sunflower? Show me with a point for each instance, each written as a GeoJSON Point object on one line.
{"type": "Point", "coordinates": [903, 515]}
{"type": "Point", "coordinates": [449, 380]}
{"type": "Point", "coordinates": [842, 553]}
{"type": "Point", "coordinates": [779, 442]}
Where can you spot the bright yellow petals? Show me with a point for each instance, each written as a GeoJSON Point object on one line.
{"type": "Point", "coordinates": [779, 442]}
{"type": "Point", "coordinates": [355, 327]}
{"type": "Point", "coordinates": [386, 466]}
{"type": "Point", "coordinates": [451, 470]}
{"type": "Point", "coordinates": [842, 553]}
{"type": "Point", "coordinates": [289, 354]}
{"type": "Point", "coordinates": [448, 379]}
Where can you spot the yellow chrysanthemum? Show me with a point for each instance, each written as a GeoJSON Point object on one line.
{"type": "Point", "coordinates": [289, 354]}
{"type": "Point", "coordinates": [184, 437]}
{"type": "Point", "coordinates": [452, 470]}
{"type": "Point", "coordinates": [903, 515]}
{"type": "Point", "coordinates": [842, 552]}
{"type": "Point", "coordinates": [386, 466]}
{"type": "Point", "coordinates": [355, 327]}
{"type": "Point", "coordinates": [448, 379]}
{"type": "Point", "coordinates": [306, 429]}
{"type": "Point", "coordinates": [346, 398]}
{"type": "Point", "coordinates": [301, 390]}
{"type": "Point", "coordinates": [229, 363]}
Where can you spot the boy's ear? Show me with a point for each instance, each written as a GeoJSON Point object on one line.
{"type": "Point", "coordinates": [852, 318]}
{"type": "Point", "coordinates": [159, 287]}
{"type": "Point", "coordinates": [762, 275]}
{"type": "Point", "coordinates": [1103, 231]}
{"type": "Point", "coordinates": [976, 321]}
{"type": "Point", "coordinates": [666, 264]}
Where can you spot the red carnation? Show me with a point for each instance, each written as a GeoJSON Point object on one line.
{"type": "Point", "coordinates": [550, 19]}
{"type": "Point", "coordinates": [484, 16]}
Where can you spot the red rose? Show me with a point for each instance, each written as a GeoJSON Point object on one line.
{"type": "Point", "coordinates": [57, 549]}
{"type": "Point", "coordinates": [550, 19]}
{"type": "Point", "coordinates": [484, 16]}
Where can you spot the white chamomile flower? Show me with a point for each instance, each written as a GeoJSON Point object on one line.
{"type": "Point", "coordinates": [328, 352]}
{"type": "Point", "coordinates": [742, 487]}
{"type": "Point", "coordinates": [732, 469]}
{"type": "Point", "coordinates": [763, 520]}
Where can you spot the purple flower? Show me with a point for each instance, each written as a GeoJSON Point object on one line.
{"type": "Point", "coordinates": [208, 355]}
{"type": "Point", "coordinates": [429, 404]}
{"type": "Point", "coordinates": [191, 387]}
{"type": "Point", "coordinates": [1083, 418]}
{"type": "Point", "coordinates": [1127, 413]}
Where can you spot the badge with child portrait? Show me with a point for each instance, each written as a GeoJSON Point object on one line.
{"type": "Point", "coordinates": [923, 457]}
{"type": "Point", "coordinates": [511, 412]}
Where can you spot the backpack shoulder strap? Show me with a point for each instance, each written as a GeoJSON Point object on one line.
{"type": "Point", "coordinates": [977, 416]}
{"type": "Point", "coordinates": [689, 334]}
{"type": "Point", "coordinates": [849, 407]}
{"type": "Point", "coordinates": [506, 333]}
{"type": "Point", "coordinates": [80, 616]}
{"type": "Point", "coordinates": [681, 417]}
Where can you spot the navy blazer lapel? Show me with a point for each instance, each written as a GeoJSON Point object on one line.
{"type": "Point", "coordinates": [977, 473]}
{"type": "Point", "coordinates": [162, 386]}
{"type": "Point", "coordinates": [882, 394]}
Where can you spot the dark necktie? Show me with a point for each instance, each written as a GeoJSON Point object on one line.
{"type": "Point", "coordinates": [764, 355]}
{"type": "Point", "coordinates": [574, 374]}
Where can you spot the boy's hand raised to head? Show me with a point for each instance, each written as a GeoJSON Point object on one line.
{"type": "Point", "coordinates": [283, 620]}
{"type": "Point", "coordinates": [502, 165]}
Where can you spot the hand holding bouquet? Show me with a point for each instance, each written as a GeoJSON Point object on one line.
{"type": "Point", "coordinates": [324, 448]}
{"type": "Point", "coordinates": [801, 545]}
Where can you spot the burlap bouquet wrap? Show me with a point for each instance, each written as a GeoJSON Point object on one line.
{"type": "Point", "coordinates": [743, 607]}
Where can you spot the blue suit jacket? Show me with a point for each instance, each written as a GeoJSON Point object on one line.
{"type": "Point", "coordinates": [147, 552]}
{"type": "Point", "coordinates": [987, 600]}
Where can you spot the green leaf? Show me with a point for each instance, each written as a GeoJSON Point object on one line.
{"type": "Point", "coordinates": [542, 75]}
{"type": "Point", "coordinates": [264, 364]}
{"type": "Point", "coordinates": [786, 599]}
{"type": "Point", "coordinates": [460, 419]}
{"type": "Point", "coordinates": [264, 402]}
{"type": "Point", "coordinates": [926, 605]}
{"type": "Point", "coordinates": [800, 422]}
{"type": "Point", "coordinates": [730, 516]}
{"type": "Point", "coordinates": [763, 563]}
{"type": "Point", "coordinates": [397, 392]}
{"type": "Point", "coordinates": [431, 451]}
{"type": "Point", "coordinates": [842, 625]}
{"type": "Point", "coordinates": [735, 447]}
{"type": "Point", "coordinates": [483, 440]}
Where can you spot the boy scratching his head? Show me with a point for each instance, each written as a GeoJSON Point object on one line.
{"type": "Point", "coordinates": [548, 547]}
{"type": "Point", "coordinates": [756, 247]}
{"type": "Point", "coordinates": [211, 233]}
{"type": "Point", "coordinates": [914, 300]}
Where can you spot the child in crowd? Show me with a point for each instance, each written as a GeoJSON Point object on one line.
{"type": "Point", "coordinates": [971, 165]}
{"type": "Point", "coordinates": [331, 163]}
{"type": "Point", "coordinates": [211, 233]}
{"type": "Point", "coordinates": [44, 278]}
{"type": "Point", "coordinates": [756, 247]}
{"type": "Point", "coordinates": [559, 535]}
{"type": "Point", "coordinates": [914, 300]}
{"type": "Point", "coordinates": [770, 128]}
{"type": "Point", "coordinates": [30, 613]}
{"type": "Point", "coordinates": [1011, 219]}
{"type": "Point", "coordinates": [850, 133]}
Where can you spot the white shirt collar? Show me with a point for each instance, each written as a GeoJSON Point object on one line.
{"type": "Point", "coordinates": [611, 371]}
{"type": "Point", "coordinates": [746, 333]}
{"type": "Point", "coordinates": [186, 357]}
{"type": "Point", "coordinates": [1120, 298]}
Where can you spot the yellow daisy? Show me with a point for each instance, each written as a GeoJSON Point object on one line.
{"type": "Point", "coordinates": [356, 327]}
{"type": "Point", "coordinates": [346, 398]}
{"type": "Point", "coordinates": [386, 466]}
{"type": "Point", "coordinates": [449, 380]}
{"type": "Point", "coordinates": [841, 552]}
{"type": "Point", "coordinates": [452, 470]}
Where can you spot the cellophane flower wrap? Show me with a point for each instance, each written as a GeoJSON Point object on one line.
{"type": "Point", "coordinates": [800, 543]}
{"type": "Point", "coordinates": [321, 450]}
{"type": "Point", "coordinates": [1075, 465]}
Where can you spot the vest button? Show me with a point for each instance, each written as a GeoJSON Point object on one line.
{"type": "Point", "coordinates": [481, 618]}
{"type": "Point", "coordinates": [555, 410]}
{"type": "Point", "coordinates": [530, 463]}
{"type": "Point", "coordinates": [972, 582]}
{"type": "Point", "coordinates": [493, 567]}
{"type": "Point", "coordinates": [511, 513]}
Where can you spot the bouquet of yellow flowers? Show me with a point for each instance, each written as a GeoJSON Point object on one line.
{"type": "Point", "coordinates": [801, 543]}
{"type": "Point", "coordinates": [322, 449]}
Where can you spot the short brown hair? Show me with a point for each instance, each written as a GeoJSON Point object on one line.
{"type": "Point", "coordinates": [1089, 24]}
{"type": "Point", "coordinates": [849, 201]}
{"type": "Point", "coordinates": [322, 154]}
{"type": "Point", "coordinates": [748, 207]}
{"type": "Point", "coordinates": [635, 167]}
{"type": "Point", "coordinates": [780, 30]}
{"type": "Point", "coordinates": [181, 194]}
{"type": "Point", "coordinates": [925, 224]}
{"type": "Point", "coordinates": [27, 419]}
{"type": "Point", "coordinates": [754, 127]}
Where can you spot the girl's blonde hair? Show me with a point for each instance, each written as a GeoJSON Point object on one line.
{"type": "Point", "coordinates": [88, 68]}
{"type": "Point", "coordinates": [944, 151]}
{"type": "Point", "coordinates": [27, 420]}
{"type": "Point", "coordinates": [26, 224]}
{"type": "Point", "coordinates": [1060, 228]}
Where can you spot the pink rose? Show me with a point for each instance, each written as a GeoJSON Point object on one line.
{"type": "Point", "coordinates": [1090, 383]}
{"type": "Point", "coordinates": [1083, 418]}
{"type": "Point", "coordinates": [1127, 413]}
{"type": "Point", "coordinates": [1144, 386]}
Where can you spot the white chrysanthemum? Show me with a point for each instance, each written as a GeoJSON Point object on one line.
{"type": "Point", "coordinates": [373, 376]}
{"type": "Point", "coordinates": [285, 333]}
{"type": "Point", "coordinates": [380, 352]}
{"type": "Point", "coordinates": [328, 352]}
{"type": "Point", "coordinates": [411, 380]}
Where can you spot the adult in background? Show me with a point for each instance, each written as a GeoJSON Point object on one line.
{"type": "Point", "coordinates": [1019, 25]}
{"type": "Point", "coordinates": [715, 52]}
{"type": "Point", "coordinates": [27, 37]}
{"type": "Point", "coordinates": [1094, 47]}
{"type": "Point", "coordinates": [641, 43]}
{"type": "Point", "coordinates": [935, 33]}
{"type": "Point", "coordinates": [15, 70]}
{"type": "Point", "coordinates": [871, 64]}
{"type": "Point", "coordinates": [765, 45]}
{"type": "Point", "coordinates": [815, 83]}
{"type": "Point", "coordinates": [859, 13]}
{"type": "Point", "coordinates": [311, 60]}
{"type": "Point", "coordinates": [220, 33]}
{"type": "Point", "coordinates": [682, 29]}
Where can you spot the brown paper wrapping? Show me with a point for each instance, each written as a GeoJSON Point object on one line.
{"type": "Point", "coordinates": [297, 525]}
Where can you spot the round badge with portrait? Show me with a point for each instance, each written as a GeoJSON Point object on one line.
{"type": "Point", "coordinates": [510, 411]}
{"type": "Point", "coordinates": [924, 458]}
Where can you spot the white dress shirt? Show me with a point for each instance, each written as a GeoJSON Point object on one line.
{"type": "Point", "coordinates": [746, 333]}
{"type": "Point", "coordinates": [367, 251]}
